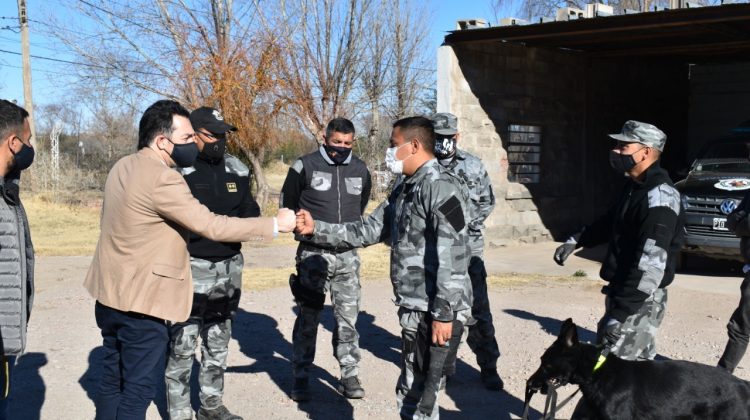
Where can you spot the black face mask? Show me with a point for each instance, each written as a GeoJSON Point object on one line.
{"type": "Point", "coordinates": [337, 154]}
{"type": "Point", "coordinates": [23, 158]}
{"type": "Point", "coordinates": [214, 151]}
{"type": "Point", "coordinates": [622, 163]}
{"type": "Point", "coordinates": [184, 155]}
{"type": "Point", "coordinates": [445, 147]}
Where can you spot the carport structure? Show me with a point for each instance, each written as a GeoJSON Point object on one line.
{"type": "Point", "coordinates": [536, 102]}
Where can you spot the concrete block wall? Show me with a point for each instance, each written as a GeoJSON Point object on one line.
{"type": "Point", "coordinates": [576, 101]}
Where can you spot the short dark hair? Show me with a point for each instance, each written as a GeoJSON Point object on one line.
{"type": "Point", "coordinates": [157, 120]}
{"type": "Point", "coordinates": [419, 127]}
{"type": "Point", "coordinates": [339, 125]}
{"type": "Point", "coordinates": [11, 118]}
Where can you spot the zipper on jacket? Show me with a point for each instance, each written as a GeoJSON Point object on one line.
{"type": "Point", "coordinates": [24, 270]}
{"type": "Point", "coordinates": [338, 190]}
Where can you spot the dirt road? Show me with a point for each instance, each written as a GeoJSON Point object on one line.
{"type": "Point", "coordinates": [57, 378]}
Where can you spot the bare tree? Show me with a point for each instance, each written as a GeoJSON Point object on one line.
{"type": "Point", "coordinates": [322, 43]}
{"type": "Point", "coordinates": [199, 53]}
{"type": "Point", "coordinates": [410, 64]}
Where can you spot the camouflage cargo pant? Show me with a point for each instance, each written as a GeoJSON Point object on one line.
{"type": "Point", "coordinates": [217, 289]}
{"type": "Point", "coordinates": [411, 381]}
{"type": "Point", "coordinates": [319, 272]}
{"type": "Point", "coordinates": [638, 339]}
{"type": "Point", "coordinates": [481, 336]}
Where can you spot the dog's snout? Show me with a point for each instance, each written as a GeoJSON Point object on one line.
{"type": "Point", "coordinates": [535, 381]}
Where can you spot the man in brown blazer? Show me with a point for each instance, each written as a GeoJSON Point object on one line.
{"type": "Point", "coordinates": [140, 274]}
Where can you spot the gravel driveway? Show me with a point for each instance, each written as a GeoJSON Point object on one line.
{"type": "Point", "coordinates": [57, 377]}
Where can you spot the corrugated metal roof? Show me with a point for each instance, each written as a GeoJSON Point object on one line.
{"type": "Point", "coordinates": [715, 33]}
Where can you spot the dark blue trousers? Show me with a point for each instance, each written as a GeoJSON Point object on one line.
{"type": "Point", "coordinates": [134, 360]}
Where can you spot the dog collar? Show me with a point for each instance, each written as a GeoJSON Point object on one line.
{"type": "Point", "coordinates": [600, 362]}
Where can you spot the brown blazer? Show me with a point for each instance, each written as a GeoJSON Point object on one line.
{"type": "Point", "coordinates": [141, 263]}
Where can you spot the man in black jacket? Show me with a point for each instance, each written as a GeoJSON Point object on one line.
{"type": "Point", "coordinates": [334, 186]}
{"type": "Point", "coordinates": [644, 231]}
{"type": "Point", "coordinates": [221, 182]}
{"type": "Point", "coordinates": [738, 328]}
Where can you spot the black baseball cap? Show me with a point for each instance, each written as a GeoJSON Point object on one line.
{"type": "Point", "coordinates": [210, 119]}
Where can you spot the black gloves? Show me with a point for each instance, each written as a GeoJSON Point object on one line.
{"type": "Point", "coordinates": [563, 252]}
{"type": "Point", "coordinates": [612, 333]}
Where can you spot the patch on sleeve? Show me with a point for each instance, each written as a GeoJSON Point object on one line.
{"type": "Point", "coordinates": [653, 263]}
{"type": "Point", "coordinates": [297, 166]}
{"type": "Point", "coordinates": [664, 195]}
{"type": "Point", "coordinates": [453, 213]}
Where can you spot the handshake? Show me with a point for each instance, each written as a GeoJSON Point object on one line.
{"type": "Point", "coordinates": [301, 223]}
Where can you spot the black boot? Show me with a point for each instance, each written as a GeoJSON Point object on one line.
{"type": "Point", "coordinates": [351, 388]}
{"type": "Point", "coordinates": [218, 413]}
{"type": "Point", "coordinates": [491, 380]}
{"type": "Point", "coordinates": [301, 390]}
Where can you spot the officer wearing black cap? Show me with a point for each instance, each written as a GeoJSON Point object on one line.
{"type": "Point", "coordinates": [219, 181]}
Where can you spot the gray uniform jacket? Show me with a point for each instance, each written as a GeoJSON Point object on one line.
{"type": "Point", "coordinates": [16, 269]}
{"type": "Point", "coordinates": [482, 199]}
{"type": "Point", "coordinates": [424, 222]}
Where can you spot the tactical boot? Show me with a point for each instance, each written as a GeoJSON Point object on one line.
{"type": "Point", "coordinates": [218, 413]}
{"type": "Point", "coordinates": [351, 388]}
{"type": "Point", "coordinates": [301, 390]}
{"type": "Point", "coordinates": [491, 380]}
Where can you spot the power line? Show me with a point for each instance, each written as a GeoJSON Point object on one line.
{"type": "Point", "coordinates": [85, 64]}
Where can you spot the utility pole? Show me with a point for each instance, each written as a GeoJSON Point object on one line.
{"type": "Point", "coordinates": [28, 103]}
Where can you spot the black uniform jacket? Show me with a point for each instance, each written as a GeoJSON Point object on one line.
{"type": "Point", "coordinates": [645, 233]}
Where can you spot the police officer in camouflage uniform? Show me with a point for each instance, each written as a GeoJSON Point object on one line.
{"type": "Point", "coordinates": [221, 182]}
{"type": "Point", "coordinates": [334, 185]}
{"type": "Point", "coordinates": [424, 222]}
{"type": "Point", "coordinates": [481, 335]}
{"type": "Point", "coordinates": [645, 235]}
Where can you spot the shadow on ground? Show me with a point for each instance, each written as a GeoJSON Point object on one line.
{"type": "Point", "coordinates": [259, 339]}
{"type": "Point", "coordinates": [472, 400]}
{"type": "Point", "coordinates": [551, 325]}
{"type": "Point", "coordinates": [27, 390]}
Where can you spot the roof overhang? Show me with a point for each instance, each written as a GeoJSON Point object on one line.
{"type": "Point", "coordinates": [705, 34]}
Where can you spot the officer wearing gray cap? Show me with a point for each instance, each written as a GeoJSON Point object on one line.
{"type": "Point", "coordinates": [644, 230]}
{"type": "Point", "coordinates": [481, 334]}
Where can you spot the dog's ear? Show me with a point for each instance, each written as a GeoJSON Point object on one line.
{"type": "Point", "coordinates": [568, 333]}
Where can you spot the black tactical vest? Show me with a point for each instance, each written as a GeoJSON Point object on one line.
{"type": "Point", "coordinates": [333, 193]}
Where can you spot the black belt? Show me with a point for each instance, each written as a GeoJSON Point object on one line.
{"type": "Point", "coordinates": [313, 248]}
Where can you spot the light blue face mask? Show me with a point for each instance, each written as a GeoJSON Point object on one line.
{"type": "Point", "coordinates": [394, 165]}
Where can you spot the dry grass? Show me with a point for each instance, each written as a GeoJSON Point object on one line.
{"type": "Point", "coordinates": [61, 229]}
{"type": "Point", "coordinates": [510, 280]}
{"type": "Point", "coordinates": [254, 279]}
{"type": "Point", "coordinates": [276, 174]}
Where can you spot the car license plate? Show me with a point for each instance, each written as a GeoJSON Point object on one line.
{"type": "Point", "coordinates": [720, 223]}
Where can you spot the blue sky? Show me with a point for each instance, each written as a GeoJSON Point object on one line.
{"type": "Point", "coordinates": [49, 79]}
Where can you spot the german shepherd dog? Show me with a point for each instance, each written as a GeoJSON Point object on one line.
{"type": "Point", "coordinates": [613, 388]}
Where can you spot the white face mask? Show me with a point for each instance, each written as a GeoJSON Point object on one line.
{"type": "Point", "coordinates": [394, 165]}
